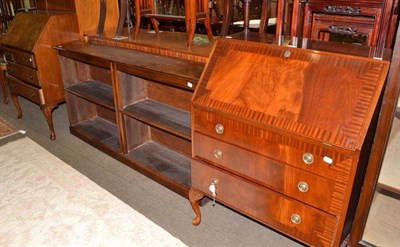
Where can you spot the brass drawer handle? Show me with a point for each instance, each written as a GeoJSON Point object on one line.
{"type": "Point", "coordinates": [30, 77]}
{"type": "Point", "coordinates": [219, 128]}
{"type": "Point", "coordinates": [302, 186]}
{"type": "Point", "coordinates": [32, 95]}
{"type": "Point", "coordinates": [308, 158]}
{"type": "Point", "coordinates": [218, 154]}
{"type": "Point", "coordinates": [296, 219]}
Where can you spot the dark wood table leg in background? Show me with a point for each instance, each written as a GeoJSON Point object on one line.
{"type": "Point", "coordinates": [226, 22]}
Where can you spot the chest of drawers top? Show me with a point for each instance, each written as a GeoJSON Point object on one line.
{"type": "Point", "coordinates": [322, 98]}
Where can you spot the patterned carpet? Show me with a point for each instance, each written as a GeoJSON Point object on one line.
{"type": "Point", "coordinates": [6, 129]}
{"type": "Point", "coordinates": [45, 202]}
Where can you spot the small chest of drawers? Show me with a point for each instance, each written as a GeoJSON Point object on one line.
{"type": "Point", "coordinates": [281, 135]}
{"type": "Point", "coordinates": [32, 63]}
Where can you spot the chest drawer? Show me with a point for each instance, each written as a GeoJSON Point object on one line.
{"type": "Point", "coordinates": [274, 209]}
{"type": "Point", "coordinates": [26, 59]}
{"type": "Point", "coordinates": [284, 148]}
{"type": "Point", "coordinates": [24, 73]}
{"type": "Point", "coordinates": [32, 93]}
{"type": "Point", "coordinates": [304, 186]}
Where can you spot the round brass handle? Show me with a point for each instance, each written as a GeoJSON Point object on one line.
{"type": "Point", "coordinates": [30, 77]}
{"type": "Point", "coordinates": [308, 158]}
{"type": "Point", "coordinates": [302, 186]}
{"type": "Point", "coordinates": [296, 219]}
{"type": "Point", "coordinates": [218, 154]}
{"type": "Point", "coordinates": [219, 128]}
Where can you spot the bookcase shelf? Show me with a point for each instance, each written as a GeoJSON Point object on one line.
{"type": "Point", "coordinates": [135, 106]}
{"type": "Point", "coordinates": [161, 115]}
{"type": "Point", "coordinates": [96, 92]}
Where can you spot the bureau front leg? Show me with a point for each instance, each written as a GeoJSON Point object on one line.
{"type": "Point", "coordinates": [14, 98]}
{"type": "Point", "coordinates": [194, 197]}
{"type": "Point", "coordinates": [47, 111]}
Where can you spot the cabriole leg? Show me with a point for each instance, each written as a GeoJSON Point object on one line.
{"type": "Point", "coordinates": [194, 197]}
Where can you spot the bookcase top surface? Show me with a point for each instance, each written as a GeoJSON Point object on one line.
{"type": "Point", "coordinates": [328, 97]}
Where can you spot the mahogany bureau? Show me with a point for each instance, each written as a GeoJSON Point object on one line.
{"type": "Point", "coordinates": [282, 135]}
{"type": "Point", "coordinates": [32, 63]}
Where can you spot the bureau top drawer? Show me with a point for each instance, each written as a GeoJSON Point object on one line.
{"type": "Point", "coordinates": [312, 189]}
{"type": "Point", "coordinates": [325, 162]}
{"type": "Point", "coordinates": [26, 59]}
{"type": "Point", "coordinates": [26, 74]}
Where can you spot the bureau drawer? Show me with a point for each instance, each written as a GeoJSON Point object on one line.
{"type": "Point", "coordinates": [26, 59]}
{"type": "Point", "coordinates": [27, 91]}
{"type": "Point", "coordinates": [283, 147]}
{"type": "Point", "coordinates": [303, 222]}
{"type": "Point", "coordinates": [24, 73]}
{"type": "Point", "coordinates": [307, 187]}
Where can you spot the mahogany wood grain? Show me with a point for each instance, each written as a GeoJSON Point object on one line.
{"type": "Point", "coordinates": [270, 119]}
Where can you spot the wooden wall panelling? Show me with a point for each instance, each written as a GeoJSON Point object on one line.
{"type": "Point", "coordinates": [88, 12]}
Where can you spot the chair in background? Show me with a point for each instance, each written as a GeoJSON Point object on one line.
{"type": "Point", "coordinates": [194, 11]}
{"type": "Point", "coordinates": [364, 22]}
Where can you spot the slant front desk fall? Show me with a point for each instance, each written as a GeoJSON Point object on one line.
{"type": "Point", "coordinates": [279, 134]}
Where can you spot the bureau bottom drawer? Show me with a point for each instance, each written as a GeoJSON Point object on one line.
{"type": "Point", "coordinates": [289, 216]}
{"type": "Point", "coordinates": [27, 91]}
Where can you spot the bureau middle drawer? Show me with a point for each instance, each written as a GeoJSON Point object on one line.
{"type": "Point", "coordinates": [24, 73]}
{"type": "Point", "coordinates": [301, 221]}
{"type": "Point", "coordinates": [302, 185]}
{"type": "Point", "coordinates": [27, 91]}
{"type": "Point", "coordinates": [26, 59]}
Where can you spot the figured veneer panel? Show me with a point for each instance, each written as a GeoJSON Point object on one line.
{"type": "Point", "coordinates": [276, 125]}
{"type": "Point", "coordinates": [294, 90]}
